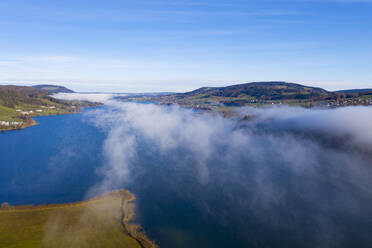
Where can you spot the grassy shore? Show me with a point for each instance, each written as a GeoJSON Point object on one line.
{"type": "Point", "coordinates": [19, 104]}
{"type": "Point", "coordinates": [99, 222]}
{"type": "Point", "coordinates": [12, 116]}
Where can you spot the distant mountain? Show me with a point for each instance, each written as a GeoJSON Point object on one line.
{"type": "Point", "coordinates": [271, 91]}
{"type": "Point", "coordinates": [52, 89]}
{"type": "Point", "coordinates": [263, 91]}
{"type": "Point", "coordinates": [356, 91]}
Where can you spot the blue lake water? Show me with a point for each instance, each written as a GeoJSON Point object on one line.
{"type": "Point", "coordinates": [57, 161]}
{"type": "Point", "coordinates": [50, 162]}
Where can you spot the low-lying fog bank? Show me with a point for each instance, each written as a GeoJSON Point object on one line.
{"type": "Point", "coordinates": [288, 177]}
{"type": "Point", "coordinates": [90, 97]}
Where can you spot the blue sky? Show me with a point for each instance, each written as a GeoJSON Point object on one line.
{"type": "Point", "coordinates": [171, 45]}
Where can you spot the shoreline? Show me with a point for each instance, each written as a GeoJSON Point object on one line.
{"type": "Point", "coordinates": [31, 207]}
{"type": "Point", "coordinates": [34, 123]}
{"type": "Point", "coordinates": [30, 124]}
{"type": "Point", "coordinates": [134, 230]}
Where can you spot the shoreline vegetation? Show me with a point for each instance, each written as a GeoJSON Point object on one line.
{"type": "Point", "coordinates": [133, 230]}
{"type": "Point", "coordinates": [106, 218]}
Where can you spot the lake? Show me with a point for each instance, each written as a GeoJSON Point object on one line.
{"type": "Point", "coordinates": [246, 202]}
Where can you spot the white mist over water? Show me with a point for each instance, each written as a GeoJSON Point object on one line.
{"type": "Point", "coordinates": [102, 98]}
{"type": "Point", "coordinates": [169, 128]}
{"type": "Point", "coordinates": [355, 122]}
{"type": "Point", "coordinates": [201, 133]}
{"type": "Point", "coordinates": [279, 160]}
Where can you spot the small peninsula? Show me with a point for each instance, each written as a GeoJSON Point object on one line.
{"type": "Point", "coordinates": [104, 221]}
{"type": "Point", "coordinates": [18, 104]}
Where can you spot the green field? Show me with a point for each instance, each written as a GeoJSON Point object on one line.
{"type": "Point", "coordinates": [7, 114]}
{"type": "Point", "coordinates": [93, 223]}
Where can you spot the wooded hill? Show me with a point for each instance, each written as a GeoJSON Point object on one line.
{"type": "Point", "coordinates": [18, 104]}
{"type": "Point", "coordinates": [52, 89]}
{"type": "Point", "coordinates": [266, 93]}
{"type": "Point", "coordinates": [274, 91]}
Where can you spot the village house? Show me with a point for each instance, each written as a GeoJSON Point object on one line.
{"type": "Point", "coordinates": [27, 112]}
{"type": "Point", "coordinates": [10, 123]}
